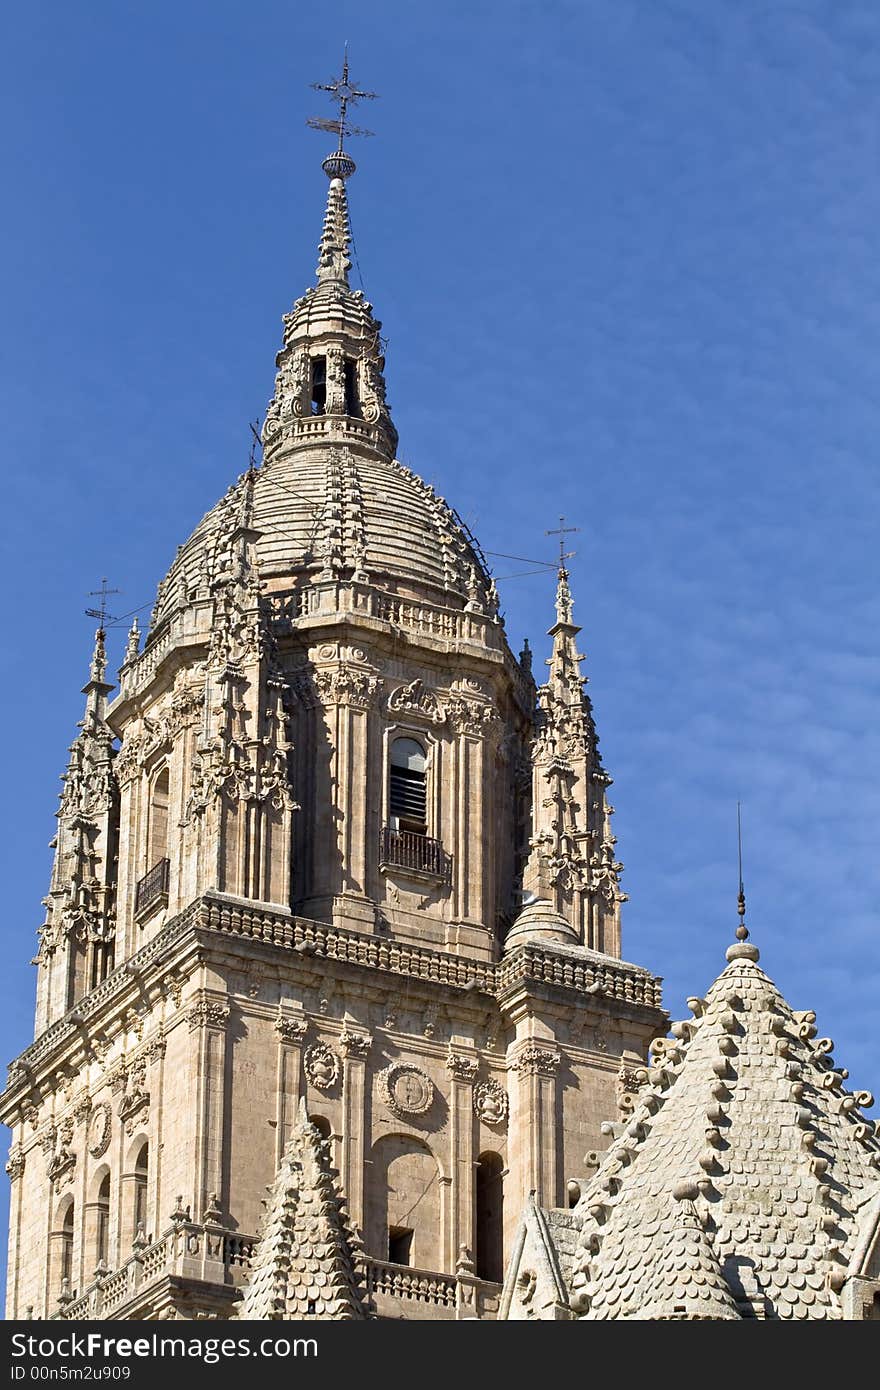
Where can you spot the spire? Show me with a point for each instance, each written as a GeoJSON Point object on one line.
{"type": "Point", "coordinates": [96, 688]}
{"type": "Point", "coordinates": [742, 949]}
{"type": "Point", "coordinates": [572, 874]}
{"type": "Point", "coordinates": [333, 262]}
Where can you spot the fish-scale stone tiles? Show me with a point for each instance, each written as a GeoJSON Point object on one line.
{"type": "Point", "coordinates": [305, 1263]}
{"type": "Point", "coordinates": [745, 1112]}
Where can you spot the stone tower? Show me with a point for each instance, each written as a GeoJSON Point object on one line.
{"type": "Point", "coordinates": [329, 844]}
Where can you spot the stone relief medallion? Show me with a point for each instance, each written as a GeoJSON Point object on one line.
{"type": "Point", "coordinates": [491, 1103]}
{"type": "Point", "coordinates": [322, 1066]}
{"type": "Point", "coordinates": [405, 1089]}
{"type": "Point", "coordinates": [99, 1130]}
{"type": "Point", "coordinates": [327, 652]}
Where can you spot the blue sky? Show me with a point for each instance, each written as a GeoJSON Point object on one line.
{"type": "Point", "coordinates": [625, 252]}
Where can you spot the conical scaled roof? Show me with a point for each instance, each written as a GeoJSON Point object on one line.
{"type": "Point", "coordinates": [304, 1265]}
{"type": "Point", "coordinates": [744, 1112]}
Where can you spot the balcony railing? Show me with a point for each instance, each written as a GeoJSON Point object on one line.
{"type": "Point", "coordinates": [420, 854]}
{"type": "Point", "coordinates": [152, 890]}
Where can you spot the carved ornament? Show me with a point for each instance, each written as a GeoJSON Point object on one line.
{"type": "Point", "coordinates": [100, 1129]}
{"type": "Point", "coordinates": [405, 1090]}
{"type": "Point", "coordinates": [417, 699]}
{"type": "Point", "coordinates": [490, 1103]}
{"type": "Point", "coordinates": [322, 1066]}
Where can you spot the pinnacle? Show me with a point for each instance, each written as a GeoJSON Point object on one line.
{"type": "Point", "coordinates": [333, 260]}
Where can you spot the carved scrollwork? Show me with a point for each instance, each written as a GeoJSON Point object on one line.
{"type": "Point", "coordinates": [405, 1089]}
{"type": "Point", "coordinates": [630, 1080]}
{"type": "Point", "coordinates": [417, 699]}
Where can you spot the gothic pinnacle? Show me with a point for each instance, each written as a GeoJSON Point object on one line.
{"type": "Point", "coordinates": [98, 667]}
{"type": "Point", "coordinates": [333, 259]}
{"type": "Point", "coordinates": [564, 604]}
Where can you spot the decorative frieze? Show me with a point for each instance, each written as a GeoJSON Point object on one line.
{"type": "Point", "coordinates": [345, 685]}
{"type": "Point", "coordinates": [474, 717]}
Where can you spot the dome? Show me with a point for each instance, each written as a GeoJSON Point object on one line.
{"type": "Point", "coordinates": [539, 923]}
{"type": "Point", "coordinates": [331, 511]}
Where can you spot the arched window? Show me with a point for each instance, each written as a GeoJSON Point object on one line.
{"type": "Point", "coordinates": [67, 1246]}
{"type": "Point", "coordinates": [102, 1222]}
{"type": "Point", "coordinates": [319, 385]}
{"type": "Point", "coordinates": [61, 1248]}
{"type": "Point", "coordinates": [141, 1178]}
{"type": "Point", "coordinates": [408, 787]}
{"type": "Point", "coordinates": [158, 826]}
{"type": "Point", "coordinates": [322, 1125]}
{"type": "Point", "coordinates": [490, 1218]}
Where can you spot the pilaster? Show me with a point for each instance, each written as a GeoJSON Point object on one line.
{"type": "Point", "coordinates": [463, 1067]}
{"type": "Point", "coordinates": [355, 1048]}
{"type": "Point", "coordinates": [534, 1156]}
{"type": "Point", "coordinates": [208, 1018]}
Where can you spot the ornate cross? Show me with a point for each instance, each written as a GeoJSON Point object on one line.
{"type": "Point", "coordinates": [345, 94]}
{"type": "Point", "coordinates": [101, 613]}
{"type": "Point", "coordinates": [562, 531]}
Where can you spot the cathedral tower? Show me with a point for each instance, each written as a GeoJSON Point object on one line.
{"type": "Point", "coordinates": [329, 845]}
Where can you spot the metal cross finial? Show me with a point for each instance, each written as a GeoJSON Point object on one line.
{"type": "Point", "coordinates": [344, 92]}
{"type": "Point", "coordinates": [256, 442]}
{"type": "Point", "coordinates": [562, 531]}
{"type": "Point", "coordinates": [742, 930]}
{"type": "Point", "coordinates": [101, 613]}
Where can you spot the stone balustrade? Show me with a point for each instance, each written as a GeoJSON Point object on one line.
{"type": "Point", "coordinates": [194, 1251]}
{"type": "Point", "coordinates": [187, 1249]}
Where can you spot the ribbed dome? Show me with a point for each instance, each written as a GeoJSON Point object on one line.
{"type": "Point", "coordinates": [330, 511]}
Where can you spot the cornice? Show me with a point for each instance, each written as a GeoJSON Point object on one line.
{"type": "Point", "coordinates": [236, 920]}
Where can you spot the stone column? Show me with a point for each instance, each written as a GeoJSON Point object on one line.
{"type": "Point", "coordinates": [459, 1232]}
{"type": "Point", "coordinates": [533, 1127]}
{"type": "Point", "coordinates": [291, 1030]}
{"type": "Point", "coordinates": [354, 1048]}
{"type": "Point", "coordinates": [208, 1018]}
